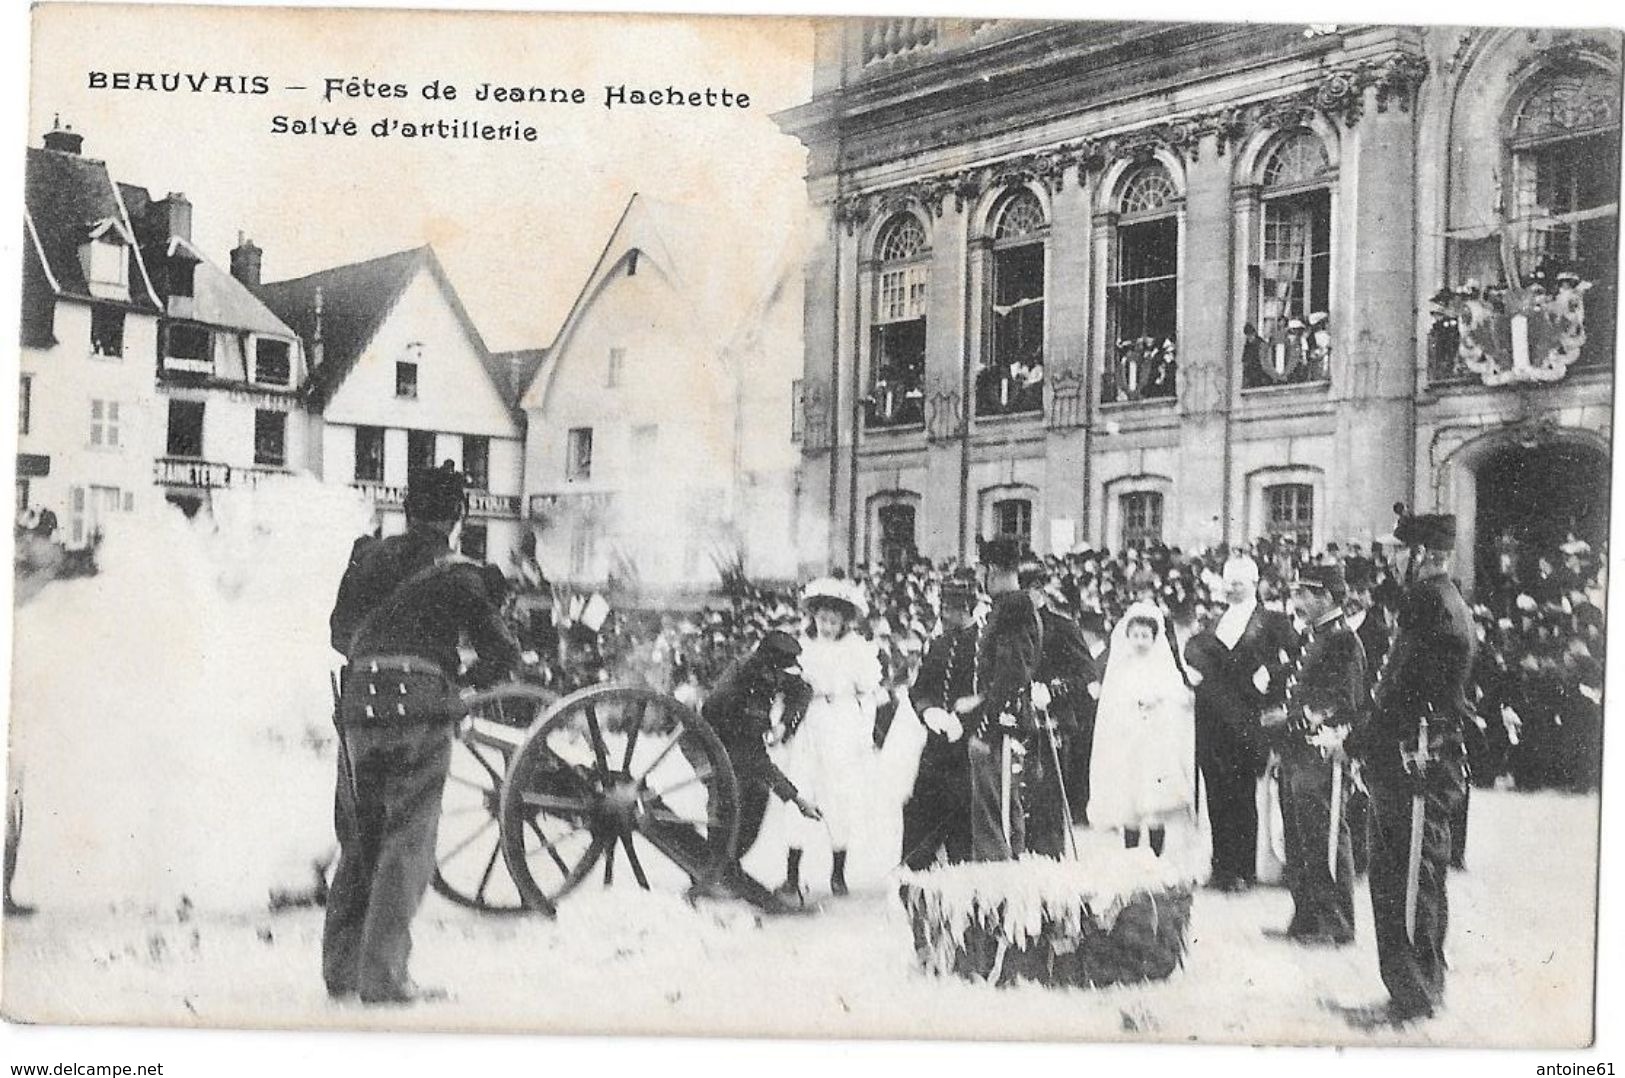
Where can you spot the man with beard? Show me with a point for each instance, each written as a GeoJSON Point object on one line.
{"type": "Point", "coordinates": [1242, 663]}
{"type": "Point", "coordinates": [1413, 758]}
{"type": "Point", "coordinates": [937, 814]}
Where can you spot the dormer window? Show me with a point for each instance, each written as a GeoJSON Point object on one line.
{"type": "Point", "coordinates": [106, 261]}
{"type": "Point", "coordinates": [188, 348]}
{"type": "Point", "coordinates": [272, 364]}
{"type": "Point", "coordinates": [180, 273]}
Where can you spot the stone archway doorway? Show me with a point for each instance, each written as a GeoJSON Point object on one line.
{"type": "Point", "coordinates": [1524, 497]}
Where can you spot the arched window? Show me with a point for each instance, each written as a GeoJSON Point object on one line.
{"type": "Point", "coordinates": [1564, 143]}
{"type": "Point", "coordinates": [1141, 512]}
{"type": "Point", "coordinates": [897, 544]}
{"type": "Point", "coordinates": [1290, 335]}
{"type": "Point", "coordinates": [1013, 519]}
{"type": "Point", "coordinates": [897, 334]}
{"type": "Point", "coordinates": [1289, 510]}
{"type": "Point", "coordinates": [1011, 379]}
{"type": "Point", "coordinates": [1143, 293]}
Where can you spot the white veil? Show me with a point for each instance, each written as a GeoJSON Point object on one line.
{"type": "Point", "coordinates": [1131, 676]}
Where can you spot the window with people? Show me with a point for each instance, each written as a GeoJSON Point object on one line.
{"type": "Point", "coordinates": [1011, 377]}
{"type": "Point", "coordinates": [1556, 246]}
{"type": "Point", "coordinates": [1289, 340]}
{"type": "Point", "coordinates": [1142, 294]}
{"type": "Point", "coordinates": [897, 334]}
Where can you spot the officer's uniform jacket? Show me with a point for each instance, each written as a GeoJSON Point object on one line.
{"type": "Point", "coordinates": [1328, 679]}
{"type": "Point", "coordinates": [1007, 661]}
{"type": "Point", "coordinates": [1066, 667]}
{"type": "Point", "coordinates": [948, 670]}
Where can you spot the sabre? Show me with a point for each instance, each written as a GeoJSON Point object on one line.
{"type": "Point", "coordinates": [1006, 763]}
{"type": "Point", "coordinates": [1336, 822]}
{"type": "Point", "coordinates": [1060, 784]}
{"type": "Point", "coordinates": [1415, 762]}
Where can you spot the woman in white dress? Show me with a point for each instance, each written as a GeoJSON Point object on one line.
{"type": "Point", "coordinates": [1142, 772]}
{"type": "Point", "coordinates": [829, 753]}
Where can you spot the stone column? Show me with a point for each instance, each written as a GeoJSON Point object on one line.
{"type": "Point", "coordinates": [1206, 344]}
{"type": "Point", "coordinates": [821, 477]}
{"type": "Point", "coordinates": [937, 526]}
{"type": "Point", "coordinates": [1375, 340]}
{"type": "Point", "coordinates": [1066, 365]}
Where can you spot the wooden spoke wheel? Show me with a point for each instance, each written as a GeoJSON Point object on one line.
{"type": "Point", "coordinates": [468, 852]}
{"type": "Point", "coordinates": [620, 776]}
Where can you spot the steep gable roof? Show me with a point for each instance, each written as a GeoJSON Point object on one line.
{"type": "Point", "coordinates": [717, 267]}
{"type": "Point", "coordinates": [512, 371]}
{"type": "Point", "coordinates": [220, 299]}
{"type": "Point", "coordinates": [355, 300]}
{"type": "Point", "coordinates": [67, 197]}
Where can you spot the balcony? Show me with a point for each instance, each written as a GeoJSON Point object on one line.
{"type": "Point", "coordinates": [1293, 352]}
{"type": "Point", "coordinates": [894, 404]}
{"type": "Point", "coordinates": [208, 474]}
{"type": "Point", "coordinates": [1144, 369]}
{"type": "Point", "coordinates": [1009, 389]}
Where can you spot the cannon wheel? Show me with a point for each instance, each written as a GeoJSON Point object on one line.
{"type": "Point", "coordinates": [617, 768]}
{"type": "Point", "coordinates": [468, 853]}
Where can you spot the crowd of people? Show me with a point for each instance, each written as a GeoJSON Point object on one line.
{"type": "Point", "coordinates": [1537, 676]}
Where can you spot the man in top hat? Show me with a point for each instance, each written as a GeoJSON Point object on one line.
{"type": "Point", "coordinates": [403, 605]}
{"type": "Point", "coordinates": [1413, 758]}
{"type": "Point", "coordinates": [740, 710]}
{"type": "Point", "coordinates": [1000, 713]}
{"type": "Point", "coordinates": [936, 816]}
{"type": "Point", "coordinates": [1059, 689]}
{"type": "Point", "coordinates": [1325, 699]}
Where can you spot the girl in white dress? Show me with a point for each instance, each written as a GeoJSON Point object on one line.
{"type": "Point", "coordinates": [829, 753]}
{"type": "Point", "coordinates": [1142, 772]}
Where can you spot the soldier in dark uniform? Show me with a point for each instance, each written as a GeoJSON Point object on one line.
{"type": "Point", "coordinates": [740, 710]}
{"type": "Point", "coordinates": [1092, 626]}
{"type": "Point", "coordinates": [403, 605]}
{"type": "Point", "coordinates": [1413, 762]}
{"type": "Point", "coordinates": [1062, 683]}
{"type": "Point", "coordinates": [937, 813]}
{"type": "Point", "coordinates": [1370, 623]}
{"type": "Point", "coordinates": [1000, 714]}
{"type": "Point", "coordinates": [1325, 699]}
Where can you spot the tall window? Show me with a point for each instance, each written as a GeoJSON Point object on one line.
{"type": "Point", "coordinates": [578, 454]}
{"type": "Point", "coordinates": [106, 330]}
{"type": "Point", "coordinates": [1290, 508]}
{"type": "Point", "coordinates": [104, 424]}
{"type": "Point", "coordinates": [25, 403]}
{"type": "Point", "coordinates": [270, 438]}
{"type": "Point", "coordinates": [420, 446]}
{"type": "Point", "coordinates": [1565, 151]}
{"type": "Point", "coordinates": [896, 535]}
{"type": "Point", "coordinates": [1143, 294]}
{"type": "Point", "coordinates": [107, 263]}
{"type": "Point", "coordinates": [897, 339]}
{"type": "Point", "coordinates": [369, 454]}
{"type": "Point", "coordinates": [1289, 339]}
{"type": "Point", "coordinates": [477, 461]}
{"type": "Point", "coordinates": [185, 435]}
{"type": "Point", "coordinates": [1142, 518]}
{"type": "Point", "coordinates": [1012, 375]}
{"type": "Point", "coordinates": [1013, 519]}
{"type": "Point", "coordinates": [272, 362]}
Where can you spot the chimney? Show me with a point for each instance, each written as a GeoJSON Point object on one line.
{"type": "Point", "coordinates": [176, 216]}
{"type": "Point", "coordinates": [245, 261]}
{"type": "Point", "coordinates": [63, 139]}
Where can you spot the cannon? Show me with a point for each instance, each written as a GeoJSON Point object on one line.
{"type": "Point", "coordinates": [554, 787]}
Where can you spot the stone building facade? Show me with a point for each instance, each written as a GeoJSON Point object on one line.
{"type": "Point", "coordinates": [1125, 283]}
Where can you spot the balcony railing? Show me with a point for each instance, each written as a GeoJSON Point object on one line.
{"type": "Point", "coordinates": [1143, 369]}
{"type": "Point", "coordinates": [894, 404]}
{"type": "Point", "coordinates": [208, 474]}
{"type": "Point", "coordinates": [1009, 389]}
{"type": "Point", "coordinates": [1295, 352]}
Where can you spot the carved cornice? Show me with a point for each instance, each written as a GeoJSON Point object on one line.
{"type": "Point", "coordinates": [1339, 95]}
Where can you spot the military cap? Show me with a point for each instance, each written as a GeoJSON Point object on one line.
{"type": "Point", "coordinates": [958, 591]}
{"type": "Point", "coordinates": [1436, 531]}
{"type": "Point", "coordinates": [1031, 572]}
{"type": "Point", "coordinates": [1002, 553]}
{"type": "Point", "coordinates": [1327, 578]}
{"type": "Point", "coordinates": [779, 650]}
{"type": "Point", "coordinates": [434, 493]}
